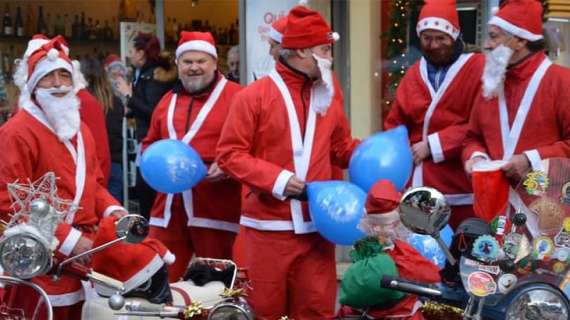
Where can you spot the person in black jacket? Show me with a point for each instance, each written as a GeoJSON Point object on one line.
{"type": "Point", "coordinates": [154, 75]}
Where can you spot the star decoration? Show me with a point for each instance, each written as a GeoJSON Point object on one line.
{"type": "Point", "coordinates": [23, 194]}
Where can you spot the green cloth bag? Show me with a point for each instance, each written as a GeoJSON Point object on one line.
{"type": "Point", "coordinates": [360, 287]}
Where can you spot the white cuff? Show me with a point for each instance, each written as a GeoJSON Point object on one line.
{"type": "Point", "coordinates": [110, 209]}
{"type": "Point", "coordinates": [534, 159]}
{"type": "Point", "coordinates": [479, 154]}
{"type": "Point", "coordinates": [70, 241]}
{"type": "Point", "coordinates": [435, 148]}
{"type": "Point", "coordinates": [281, 183]}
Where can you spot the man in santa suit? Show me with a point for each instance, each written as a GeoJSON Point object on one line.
{"type": "Point", "coordinates": [204, 220]}
{"type": "Point", "coordinates": [434, 101]}
{"type": "Point", "coordinates": [283, 131]}
{"type": "Point", "coordinates": [523, 113]}
{"type": "Point", "coordinates": [47, 135]}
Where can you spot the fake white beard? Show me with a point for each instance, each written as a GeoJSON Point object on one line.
{"type": "Point", "coordinates": [324, 89]}
{"type": "Point", "coordinates": [62, 113]}
{"type": "Point", "coordinates": [496, 64]}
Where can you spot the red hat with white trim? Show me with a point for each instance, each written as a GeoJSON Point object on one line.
{"type": "Point", "coordinates": [522, 18]}
{"type": "Point", "coordinates": [439, 15]}
{"type": "Point", "coordinates": [133, 264]}
{"type": "Point", "coordinates": [277, 29]}
{"type": "Point", "coordinates": [306, 28]}
{"type": "Point", "coordinates": [382, 202]}
{"type": "Point", "coordinates": [196, 41]}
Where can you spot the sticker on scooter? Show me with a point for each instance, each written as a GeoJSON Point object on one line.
{"type": "Point", "coordinates": [481, 284]}
{"type": "Point", "coordinates": [565, 194]}
{"type": "Point", "coordinates": [543, 247]}
{"type": "Point", "coordinates": [486, 248]}
{"type": "Point", "coordinates": [536, 183]}
{"type": "Point", "coordinates": [507, 282]}
{"type": "Point", "coordinates": [562, 239]}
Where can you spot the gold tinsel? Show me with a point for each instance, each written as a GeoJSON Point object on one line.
{"type": "Point", "coordinates": [192, 310]}
{"type": "Point", "coordinates": [437, 311]}
{"type": "Point", "coordinates": [233, 293]}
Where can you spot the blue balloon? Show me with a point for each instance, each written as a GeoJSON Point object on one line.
{"type": "Point", "coordinates": [384, 155]}
{"type": "Point", "coordinates": [428, 247]}
{"type": "Point", "coordinates": [336, 208]}
{"type": "Point", "coordinates": [171, 166]}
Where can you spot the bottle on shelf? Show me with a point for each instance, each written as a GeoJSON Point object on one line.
{"type": "Point", "coordinates": [97, 31]}
{"type": "Point", "coordinates": [58, 27]}
{"type": "Point", "coordinates": [42, 26]}
{"type": "Point", "coordinates": [67, 27]}
{"type": "Point", "coordinates": [83, 27]}
{"type": "Point", "coordinates": [48, 25]}
{"type": "Point", "coordinates": [107, 32]}
{"type": "Point", "coordinates": [29, 21]}
{"type": "Point", "coordinates": [75, 33]}
{"type": "Point", "coordinates": [19, 24]}
{"type": "Point", "coordinates": [175, 30]}
{"type": "Point", "coordinates": [7, 22]}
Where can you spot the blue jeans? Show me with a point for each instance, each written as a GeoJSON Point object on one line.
{"type": "Point", "coordinates": [116, 181]}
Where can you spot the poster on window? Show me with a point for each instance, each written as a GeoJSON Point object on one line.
{"type": "Point", "coordinates": [128, 32]}
{"type": "Point", "coordinates": [259, 17]}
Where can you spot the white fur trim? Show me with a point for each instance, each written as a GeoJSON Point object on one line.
{"type": "Point", "coordinates": [281, 183]}
{"type": "Point", "coordinates": [534, 159]}
{"type": "Point", "coordinates": [70, 241]}
{"type": "Point", "coordinates": [46, 66]}
{"type": "Point", "coordinates": [459, 199]}
{"type": "Point", "coordinates": [214, 224]}
{"type": "Point", "coordinates": [112, 208]}
{"type": "Point", "coordinates": [196, 45]}
{"type": "Point", "coordinates": [439, 24]}
{"type": "Point", "coordinates": [136, 280]}
{"type": "Point", "coordinates": [513, 29]}
{"type": "Point", "coordinates": [266, 225]}
{"type": "Point", "coordinates": [384, 218]}
{"type": "Point", "coordinates": [67, 299]}
{"type": "Point", "coordinates": [275, 35]}
{"type": "Point", "coordinates": [479, 154]}
{"type": "Point", "coordinates": [435, 148]}
{"type": "Point", "coordinates": [334, 36]}
{"type": "Point", "coordinates": [169, 257]}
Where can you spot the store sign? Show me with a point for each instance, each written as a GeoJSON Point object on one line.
{"type": "Point", "coordinates": [259, 17]}
{"type": "Point", "coordinates": [129, 31]}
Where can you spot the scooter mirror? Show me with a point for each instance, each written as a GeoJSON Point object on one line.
{"type": "Point", "coordinates": [425, 210]}
{"type": "Point", "coordinates": [133, 227]}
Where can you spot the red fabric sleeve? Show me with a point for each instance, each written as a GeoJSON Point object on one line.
{"type": "Point", "coordinates": [342, 143]}
{"type": "Point", "coordinates": [452, 138]}
{"type": "Point", "coordinates": [236, 144]}
{"type": "Point", "coordinates": [474, 137]}
{"type": "Point", "coordinates": [92, 114]}
{"type": "Point", "coordinates": [413, 266]}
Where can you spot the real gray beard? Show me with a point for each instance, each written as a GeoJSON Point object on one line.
{"type": "Point", "coordinates": [62, 113]}
{"type": "Point", "coordinates": [496, 64]}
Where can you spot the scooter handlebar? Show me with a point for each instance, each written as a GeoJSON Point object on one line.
{"type": "Point", "coordinates": [395, 283]}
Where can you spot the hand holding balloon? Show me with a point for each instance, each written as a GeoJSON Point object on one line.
{"type": "Point", "coordinates": [171, 166]}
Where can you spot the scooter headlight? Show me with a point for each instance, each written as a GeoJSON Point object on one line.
{"type": "Point", "coordinates": [234, 309]}
{"type": "Point", "coordinates": [539, 304]}
{"type": "Point", "coordinates": [24, 255]}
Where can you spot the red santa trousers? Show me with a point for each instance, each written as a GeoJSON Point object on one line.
{"type": "Point", "coordinates": [184, 242]}
{"type": "Point", "coordinates": [291, 275]}
{"type": "Point", "coordinates": [28, 300]}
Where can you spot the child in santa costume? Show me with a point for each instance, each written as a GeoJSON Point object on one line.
{"type": "Point", "coordinates": [386, 240]}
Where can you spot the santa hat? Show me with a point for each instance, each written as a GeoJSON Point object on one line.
{"type": "Point", "coordinates": [196, 41]}
{"type": "Point", "coordinates": [111, 61]}
{"type": "Point", "coordinates": [382, 202]}
{"type": "Point", "coordinates": [133, 264]}
{"type": "Point", "coordinates": [306, 28]}
{"type": "Point", "coordinates": [42, 56]}
{"type": "Point", "coordinates": [277, 29]}
{"type": "Point", "coordinates": [522, 18]}
{"type": "Point", "coordinates": [440, 15]}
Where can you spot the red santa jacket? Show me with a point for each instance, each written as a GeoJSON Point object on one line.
{"type": "Point", "coordinates": [213, 205]}
{"type": "Point", "coordinates": [441, 118]}
{"type": "Point", "coordinates": [537, 125]}
{"type": "Point", "coordinates": [257, 146]}
{"type": "Point", "coordinates": [93, 116]}
{"type": "Point", "coordinates": [29, 150]}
